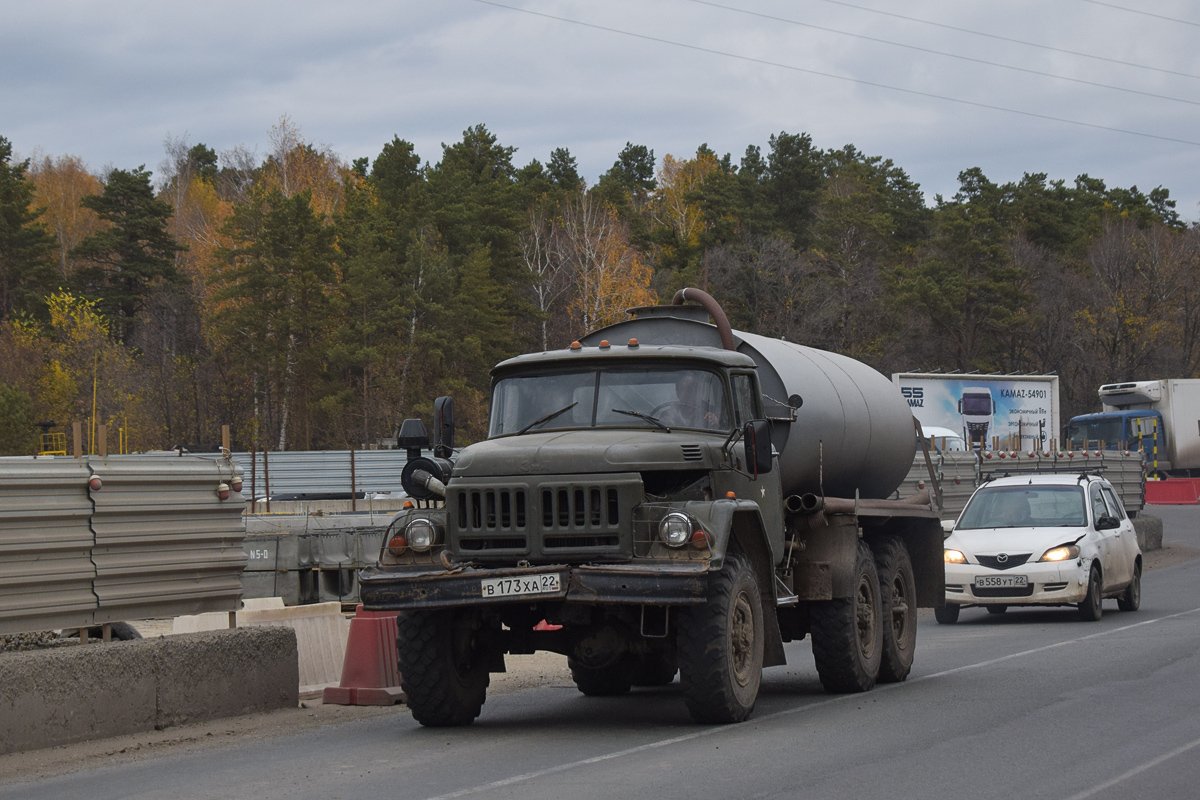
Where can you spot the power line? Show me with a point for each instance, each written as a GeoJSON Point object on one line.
{"type": "Point", "coordinates": [999, 38]}
{"type": "Point", "coordinates": [947, 55]}
{"type": "Point", "coordinates": [860, 81]}
{"type": "Point", "coordinates": [1143, 13]}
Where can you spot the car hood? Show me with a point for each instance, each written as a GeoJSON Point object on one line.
{"type": "Point", "coordinates": [990, 541]}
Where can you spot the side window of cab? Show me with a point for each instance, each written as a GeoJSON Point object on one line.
{"type": "Point", "coordinates": [743, 398]}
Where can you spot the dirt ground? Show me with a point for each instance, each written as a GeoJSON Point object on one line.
{"type": "Point", "coordinates": [524, 672]}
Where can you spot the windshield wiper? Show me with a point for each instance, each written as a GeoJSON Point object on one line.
{"type": "Point", "coordinates": [640, 415]}
{"type": "Point", "coordinates": [548, 417]}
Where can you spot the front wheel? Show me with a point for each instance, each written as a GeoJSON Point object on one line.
{"type": "Point", "coordinates": [443, 660]}
{"type": "Point", "coordinates": [947, 615]}
{"type": "Point", "coordinates": [1131, 600]}
{"type": "Point", "coordinates": [721, 646]}
{"type": "Point", "coordinates": [1091, 608]}
{"type": "Point", "coordinates": [847, 637]}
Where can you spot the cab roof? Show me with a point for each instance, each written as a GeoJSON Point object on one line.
{"type": "Point", "coordinates": [625, 353]}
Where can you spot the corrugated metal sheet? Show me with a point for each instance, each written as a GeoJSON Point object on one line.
{"type": "Point", "coordinates": [165, 543]}
{"type": "Point", "coordinates": [307, 472]}
{"type": "Point", "coordinates": [959, 474]}
{"type": "Point", "coordinates": [154, 540]}
{"type": "Point", "coordinates": [46, 570]}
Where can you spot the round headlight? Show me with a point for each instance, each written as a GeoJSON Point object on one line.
{"type": "Point", "coordinates": [421, 535]}
{"type": "Point", "coordinates": [675, 529]}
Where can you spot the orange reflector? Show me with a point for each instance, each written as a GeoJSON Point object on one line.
{"type": "Point", "coordinates": [699, 539]}
{"type": "Point", "coordinates": [408, 504]}
{"type": "Point", "coordinates": [575, 345]}
{"type": "Point", "coordinates": [397, 545]}
{"type": "Point", "coordinates": [633, 342]}
{"type": "Point", "coordinates": [731, 494]}
{"type": "Point", "coordinates": [604, 342]}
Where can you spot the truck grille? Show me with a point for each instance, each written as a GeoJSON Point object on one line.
{"type": "Point", "coordinates": [557, 518]}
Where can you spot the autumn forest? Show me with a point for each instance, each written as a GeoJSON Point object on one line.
{"type": "Point", "coordinates": [313, 303]}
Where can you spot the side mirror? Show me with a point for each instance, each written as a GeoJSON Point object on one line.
{"type": "Point", "coordinates": [757, 438]}
{"type": "Point", "coordinates": [1107, 523]}
{"type": "Point", "coordinates": [443, 427]}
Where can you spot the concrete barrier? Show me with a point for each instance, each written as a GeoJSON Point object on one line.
{"type": "Point", "coordinates": [321, 632]}
{"type": "Point", "coordinates": [1149, 531]}
{"type": "Point", "coordinates": [74, 694]}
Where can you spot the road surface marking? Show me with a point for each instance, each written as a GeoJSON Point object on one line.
{"type": "Point", "coordinates": [1100, 787]}
{"type": "Point", "coordinates": [528, 776]}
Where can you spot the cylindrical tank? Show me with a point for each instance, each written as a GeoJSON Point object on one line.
{"type": "Point", "coordinates": [853, 431]}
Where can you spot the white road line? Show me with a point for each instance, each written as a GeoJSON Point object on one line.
{"type": "Point", "coordinates": [838, 699]}
{"type": "Point", "coordinates": [1100, 787]}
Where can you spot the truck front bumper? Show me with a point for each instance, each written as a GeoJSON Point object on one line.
{"type": "Point", "coordinates": [384, 589]}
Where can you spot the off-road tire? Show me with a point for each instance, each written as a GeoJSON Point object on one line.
{"type": "Point", "coordinates": [443, 668]}
{"type": "Point", "coordinates": [655, 670]}
{"type": "Point", "coordinates": [616, 678]}
{"type": "Point", "coordinates": [1091, 608]}
{"type": "Point", "coordinates": [947, 615]}
{"type": "Point", "coordinates": [996, 609]}
{"type": "Point", "coordinates": [1131, 600]}
{"type": "Point", "coordinates": [847, 634]}
{"type": "Point", "coordinates": [898, 599]}
{"type": "Point", "coordinates": [720, 646]}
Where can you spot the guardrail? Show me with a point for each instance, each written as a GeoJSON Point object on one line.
{"type": "Point", "coordinates": [959, 473]}
{"type": "Point", "coordinates": [86, 541]}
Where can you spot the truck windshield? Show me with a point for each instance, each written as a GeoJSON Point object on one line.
{"type": "Point", "coordinates": [610, 398]}
{"type": "Point", "coordinates": [977, 405]}
{"type": "Point", "coordinates": [1024, 507]}
{"type": "Point", "coordinates": [1082, 432]}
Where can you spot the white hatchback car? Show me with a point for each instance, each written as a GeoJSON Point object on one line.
{"type": "Point", "coordinates": [1042, 539]}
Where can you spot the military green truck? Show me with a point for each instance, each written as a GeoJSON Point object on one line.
{"type": "Point", "coordinates": [665, 496]}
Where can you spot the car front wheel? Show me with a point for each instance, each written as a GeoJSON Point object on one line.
{"type": "Point", "coordinates": [947, 615]}
{"type": "Point", "coordinates": [1091, 607]}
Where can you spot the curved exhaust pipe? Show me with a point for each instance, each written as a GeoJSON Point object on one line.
{"type": "Point", "coordinates": [704, 299]}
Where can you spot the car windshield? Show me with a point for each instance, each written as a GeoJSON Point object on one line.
{"type": "Point", "coordinates": [1024, 507]}
{"type": "Point", "coordinates": [658, 398]}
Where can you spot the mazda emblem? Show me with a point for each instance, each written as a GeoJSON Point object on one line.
{"type": "Point", "coordinates": [1002, 558]}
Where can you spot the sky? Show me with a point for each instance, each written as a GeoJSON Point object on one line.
{"type": "Point", "coordinates": [1062, 87]}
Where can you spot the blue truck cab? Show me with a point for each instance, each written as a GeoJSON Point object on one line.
{"type": "Point", "coordinates": [1132, 429]}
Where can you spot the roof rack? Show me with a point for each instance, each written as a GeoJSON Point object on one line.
{"type": "Point", "coordinates": [1005, 472]}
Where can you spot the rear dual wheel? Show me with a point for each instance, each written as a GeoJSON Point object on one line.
{"type": "Point", "coordinates": [847, 634]}
{"type": "Point", "coordinates": [898, 600]}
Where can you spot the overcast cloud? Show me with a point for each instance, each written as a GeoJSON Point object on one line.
{"type": "Point", "coordinates": [110, 81]}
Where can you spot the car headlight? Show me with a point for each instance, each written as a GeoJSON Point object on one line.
{"type": "Point", "coordinates": [1064, 552]}
{"type": "Point", "coordinates": [954, 556]}
{"type": "Point", "coordinates": [675, 529]}
{"type": "Point", "coordinates": [420, 534]}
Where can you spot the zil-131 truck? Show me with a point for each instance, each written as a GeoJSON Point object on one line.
{"type": "Point", "coordinates": [665, 496]}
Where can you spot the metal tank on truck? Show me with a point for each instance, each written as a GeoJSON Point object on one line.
{"type": "Point", "coordinates": [673, 498]}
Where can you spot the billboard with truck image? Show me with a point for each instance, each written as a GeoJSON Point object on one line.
{"type": "Point", "coordinates": [1013, 411]}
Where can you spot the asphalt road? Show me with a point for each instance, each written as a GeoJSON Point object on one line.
{"type": "Point", "coordinates": [1030, 704]}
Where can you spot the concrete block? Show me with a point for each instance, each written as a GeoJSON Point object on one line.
{"type": "Point", "coordinates": [73, 694]}
{"type": "Point", "coordinates": [1149, 531]}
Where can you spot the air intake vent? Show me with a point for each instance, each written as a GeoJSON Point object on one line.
{"type": "Point", "coordinates": [692, 452]}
